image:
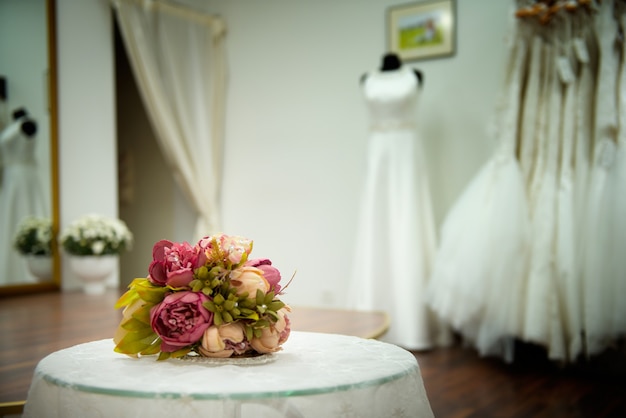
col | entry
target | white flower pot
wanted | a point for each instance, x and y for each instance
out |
(40, 266)
(93, 271)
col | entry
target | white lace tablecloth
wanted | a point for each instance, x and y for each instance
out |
(315, 375)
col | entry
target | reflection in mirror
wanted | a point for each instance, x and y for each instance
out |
(28, 144)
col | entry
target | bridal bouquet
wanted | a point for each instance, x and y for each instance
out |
(207, 300)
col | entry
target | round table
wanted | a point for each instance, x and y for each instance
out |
(315, 375)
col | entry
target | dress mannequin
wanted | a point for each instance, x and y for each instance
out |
(27, 125)
(396, 233)
(21, 192)
(392, 62)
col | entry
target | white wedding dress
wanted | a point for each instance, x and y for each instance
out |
(535, 252)
(604, 266)
(477, 280)
(396, 235)
(21, 195)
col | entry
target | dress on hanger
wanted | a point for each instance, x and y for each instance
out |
(396, 234)
(605, 226)
(477, 280)
(21, 195)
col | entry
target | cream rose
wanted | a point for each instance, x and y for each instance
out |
(249, 279)
(275, 335)
(224, 340)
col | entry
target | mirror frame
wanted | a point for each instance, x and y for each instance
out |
(55, 284)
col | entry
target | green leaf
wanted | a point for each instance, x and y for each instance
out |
(127, 298)
(154, 348)
(273, 315)
(247, 303)
(262, 323)
(150, 293)
(143, 314)
(249, 332)
(132, 343)
(275, 305)
(210, 306)
(227, 317)
(219, 299)
(217, 319)
(260, 297)
(249, 314)
(163, 356)
(133, 324)
(180, 353)
(268, 298)
(196, 285)
(202, 273)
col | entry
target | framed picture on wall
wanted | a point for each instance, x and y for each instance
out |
(422, 30)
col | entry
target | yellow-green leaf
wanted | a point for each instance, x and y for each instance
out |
(133, 324)
(143, 314)
(181, 352)
(127, 298)
(276, 305)
(154, 348)
(150, 293)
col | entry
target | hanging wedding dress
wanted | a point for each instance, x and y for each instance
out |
(535, 252)
(21, 195)
(476, 283)
(605, 225)
(396, 234)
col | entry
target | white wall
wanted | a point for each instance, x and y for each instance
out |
(87, 152)
(296, 124)
(296, 136)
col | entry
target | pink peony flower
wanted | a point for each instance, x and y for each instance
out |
(271, 273)
(224, 341)
(275, 335)
(233, 248)
(248, 279)
(180, 320)
(173, 263)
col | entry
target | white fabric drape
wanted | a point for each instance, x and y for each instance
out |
(177, 56)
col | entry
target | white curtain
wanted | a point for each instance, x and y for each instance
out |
(177, 56)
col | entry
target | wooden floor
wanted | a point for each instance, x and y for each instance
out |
(459, 383)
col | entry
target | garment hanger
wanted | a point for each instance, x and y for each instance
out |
(545, 10)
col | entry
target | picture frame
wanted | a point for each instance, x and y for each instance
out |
(422, 30)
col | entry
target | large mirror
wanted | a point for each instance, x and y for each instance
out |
(28, 140)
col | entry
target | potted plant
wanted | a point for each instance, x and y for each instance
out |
(34, 241)
(93, 244)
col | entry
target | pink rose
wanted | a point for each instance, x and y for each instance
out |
(273, 336)
(271, 273)
(248, 279)
(180, 320)
(231, 247)
(173, 263)
(224, 341)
